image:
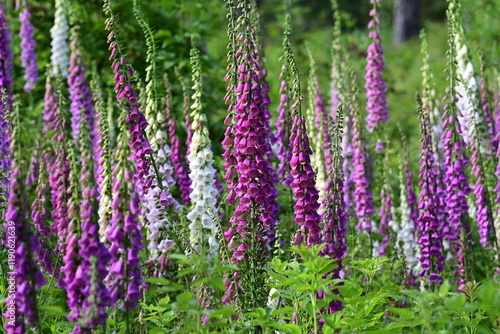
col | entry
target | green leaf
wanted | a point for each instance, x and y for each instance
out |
(154, 280)
(402, 312)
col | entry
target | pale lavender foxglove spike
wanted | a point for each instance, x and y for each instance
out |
(28, 54)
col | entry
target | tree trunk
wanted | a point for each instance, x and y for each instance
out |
(406, 20)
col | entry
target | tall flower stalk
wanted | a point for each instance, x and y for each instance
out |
(203, 229)
(79, 91)
(158, 199)
(59, 34)
(362, 195)
(335, 219)
(467, 102)
(28, 53)
(24, 277)
(250, 174)
(5, 103)
(102, 157)
(283, 125)
(375, 84)
(124, 279)
(303, 185)
(429, 99)
(456, 230)
(126, 95)
(430, 205)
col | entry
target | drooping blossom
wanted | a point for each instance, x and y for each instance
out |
(375, 85)
(335, 219)
(5, 101)
(456, 230)
(430, 101)
(5, 162)
(126, 95)
(24, 277)
(430, 220)
(59, 43)
(406, 243)
(102, 156)
(203, 229)
(347, 164)
(6, 64)
(492, 143)
(39, 214)
(362, 196)
(180, 172)
(386, 217)
(250, 175)
(28, 54)
(124, 280)
(317, 124)
(303, 185)
(57, 166)
(157, 198)
(79, 91)
(335, 76)
(466, 88)
(283, 125)
(86, 258)
(484, 215)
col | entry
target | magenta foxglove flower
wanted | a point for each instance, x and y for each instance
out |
(28, 54)
(304, 186)
(335, 223)
(455, 227)
(24, 277)
(176, 157)
(125, 94)
(250, 175)
(86, 258)
(375, 84)
(430, 221)
(283, 125)
(363, 197)
(124, 279)
(386, 217)
(5, 105)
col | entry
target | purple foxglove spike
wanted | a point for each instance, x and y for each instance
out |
(362, 195)
(430, 221)
(28, 54)
(250, 142)
(176, 157)
(304, 187)
(6, 65)
(79, 92)
(335, 223)
(375, 85)
(386, 217)
(125, 94)
(24, 275)
(283, 125)
(90, 295)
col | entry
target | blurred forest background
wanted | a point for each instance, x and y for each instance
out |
(176, 20)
